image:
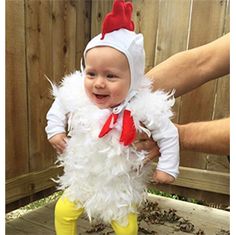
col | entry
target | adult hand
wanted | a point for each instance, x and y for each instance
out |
(145, 143)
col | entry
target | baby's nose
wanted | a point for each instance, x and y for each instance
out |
(100, 82)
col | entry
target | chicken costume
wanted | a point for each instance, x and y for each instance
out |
(103, 173)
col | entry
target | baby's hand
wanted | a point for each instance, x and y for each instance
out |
(59, 142)
(163, 177)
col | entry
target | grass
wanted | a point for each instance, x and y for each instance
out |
(175, 196)
(32, 206)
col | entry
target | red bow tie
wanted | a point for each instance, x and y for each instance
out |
(128, 132)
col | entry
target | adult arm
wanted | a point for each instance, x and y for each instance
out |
(183, 72)
(189, 69)
(208, 137)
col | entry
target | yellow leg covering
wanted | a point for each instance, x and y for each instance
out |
(130, 229)
(66, 216)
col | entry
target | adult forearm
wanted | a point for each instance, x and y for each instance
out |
(177, 72)
(209, 137)
(187, 70)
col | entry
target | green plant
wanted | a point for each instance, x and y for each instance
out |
(174, 196)
(32, 206)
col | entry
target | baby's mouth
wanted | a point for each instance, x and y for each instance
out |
(99, 96)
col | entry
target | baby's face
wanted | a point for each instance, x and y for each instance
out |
(107, 78)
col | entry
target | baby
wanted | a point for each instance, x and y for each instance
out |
(104, 106)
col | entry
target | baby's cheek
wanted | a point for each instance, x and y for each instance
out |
(88, 90)
(121, 94)
(86, 85)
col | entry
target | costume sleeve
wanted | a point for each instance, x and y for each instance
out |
(56, 119)
(167, 138)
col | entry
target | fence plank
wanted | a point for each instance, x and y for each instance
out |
(17, 154)
(99, 10)
(145, 17)
(31, 183)
(70, 36)
(227, 17)
(64, 38)
(210, 181)
(222, 100)
(38, 47)
(172, 34)
(83, 27)
(173, 28)
(199, 104)
(26, 200)
(58, 27)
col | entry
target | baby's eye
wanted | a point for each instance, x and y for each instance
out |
(110, 76)
(90, 74)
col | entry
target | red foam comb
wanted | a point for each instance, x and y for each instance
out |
(118, 18)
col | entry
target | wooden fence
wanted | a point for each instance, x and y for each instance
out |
(48, 37)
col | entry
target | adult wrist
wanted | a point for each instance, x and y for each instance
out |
(183, 138)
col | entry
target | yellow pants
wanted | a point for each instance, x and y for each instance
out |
(66, 216)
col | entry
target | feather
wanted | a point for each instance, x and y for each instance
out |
(54, 88)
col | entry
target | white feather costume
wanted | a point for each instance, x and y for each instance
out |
(100, 174)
